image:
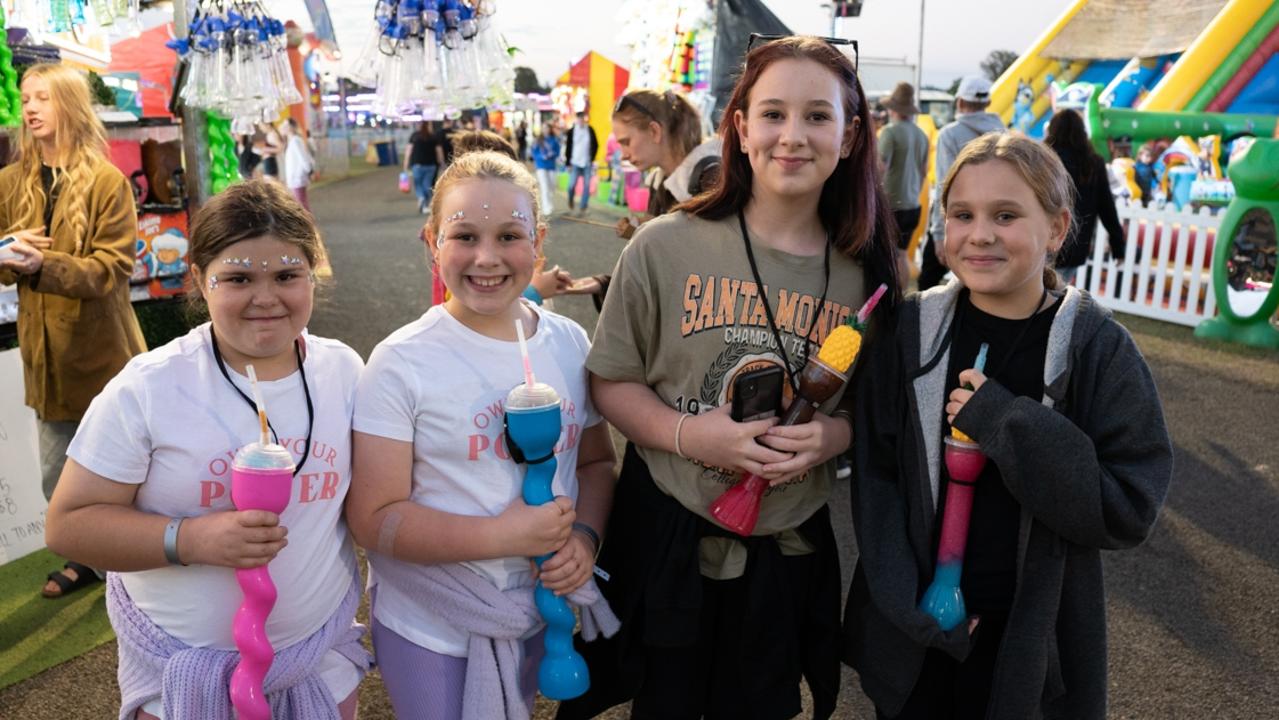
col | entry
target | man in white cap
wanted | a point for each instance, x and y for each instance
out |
(903, 149)
(971, 122)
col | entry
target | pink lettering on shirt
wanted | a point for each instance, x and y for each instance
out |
(210, 490)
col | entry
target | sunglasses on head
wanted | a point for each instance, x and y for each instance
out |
(832, 41)
(627, 101)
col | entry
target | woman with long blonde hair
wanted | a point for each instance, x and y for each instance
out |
(72, 215)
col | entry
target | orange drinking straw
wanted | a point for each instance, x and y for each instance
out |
(258, 404)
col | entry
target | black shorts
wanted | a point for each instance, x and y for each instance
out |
(907, 221)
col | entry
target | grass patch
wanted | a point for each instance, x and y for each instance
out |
(36, 633)
(1177, 345)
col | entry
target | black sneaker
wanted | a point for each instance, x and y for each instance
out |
(843, 469)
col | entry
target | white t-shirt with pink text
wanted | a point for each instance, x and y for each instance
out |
(442, 386)
(171, 423)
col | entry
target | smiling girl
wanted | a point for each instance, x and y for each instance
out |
(436, 499)
(753, 275)
(1079, 461)
(146, 489)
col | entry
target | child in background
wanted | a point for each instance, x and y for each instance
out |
(1144, 169)
(437, 499)
(1079, 461)
(546, 153)
(146, 492)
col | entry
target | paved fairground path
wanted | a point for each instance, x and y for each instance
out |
(1193, 613)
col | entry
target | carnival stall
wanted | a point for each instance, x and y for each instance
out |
(145, 148)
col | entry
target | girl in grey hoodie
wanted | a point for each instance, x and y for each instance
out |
(1079, 460)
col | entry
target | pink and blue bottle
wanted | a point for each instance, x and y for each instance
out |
(944, 600)
(261, 479)
(533, 424)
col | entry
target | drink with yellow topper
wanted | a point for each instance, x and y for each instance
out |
(738, 508)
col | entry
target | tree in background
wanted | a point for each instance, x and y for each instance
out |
(526, 81)
(997, 62)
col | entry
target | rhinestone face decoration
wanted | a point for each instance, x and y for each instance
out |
(519, 215)
(290, 260)
(213, 283)
(459, 215)
(246, 263)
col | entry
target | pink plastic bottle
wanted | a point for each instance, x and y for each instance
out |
(261, 479)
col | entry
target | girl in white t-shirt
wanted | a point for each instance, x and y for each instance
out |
(436, 497)
(146, 489)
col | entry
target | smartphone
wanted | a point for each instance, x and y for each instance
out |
(7, 253)
(757, 394)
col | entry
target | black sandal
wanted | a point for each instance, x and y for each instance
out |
(85, 576)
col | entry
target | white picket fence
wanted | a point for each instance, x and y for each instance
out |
(1165, 278)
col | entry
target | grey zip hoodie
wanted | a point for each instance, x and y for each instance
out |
(1090, 467)
(950, 140)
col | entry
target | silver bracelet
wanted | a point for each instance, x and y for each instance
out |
(171, 541)
(590, 533)
(679, 426)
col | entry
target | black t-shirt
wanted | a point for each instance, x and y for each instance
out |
(50, 192)
(990, 558)
(423, 152)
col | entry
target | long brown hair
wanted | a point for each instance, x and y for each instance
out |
(853, 206)
(82, 146)
(1037, 165)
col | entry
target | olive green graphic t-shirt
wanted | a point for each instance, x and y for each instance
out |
(684, 316)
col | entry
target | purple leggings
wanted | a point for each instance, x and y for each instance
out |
(425, 685)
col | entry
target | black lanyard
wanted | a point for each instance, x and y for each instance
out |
(768, 309)
(306, 389)
(1025, 326)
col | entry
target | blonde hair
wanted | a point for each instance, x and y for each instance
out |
(82, 145)
(1037, 165)
(483, 165)
(680, 121)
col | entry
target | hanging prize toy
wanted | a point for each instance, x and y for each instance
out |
(738, 508)
(943, 599)
(532, 430)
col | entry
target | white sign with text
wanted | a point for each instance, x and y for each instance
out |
(22, 503)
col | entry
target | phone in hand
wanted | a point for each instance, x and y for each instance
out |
(757, 394)
(6, 252)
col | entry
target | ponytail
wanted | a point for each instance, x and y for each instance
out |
(1052, 280)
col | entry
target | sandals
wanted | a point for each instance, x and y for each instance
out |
(85, 576)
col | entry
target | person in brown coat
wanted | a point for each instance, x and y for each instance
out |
(73, 217)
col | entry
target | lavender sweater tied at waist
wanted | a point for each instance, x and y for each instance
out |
(496, 621)
(193, 682)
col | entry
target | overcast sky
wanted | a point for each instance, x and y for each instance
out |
(553, 33)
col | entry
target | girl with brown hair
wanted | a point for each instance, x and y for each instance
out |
(146, 492)
(751, 275)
